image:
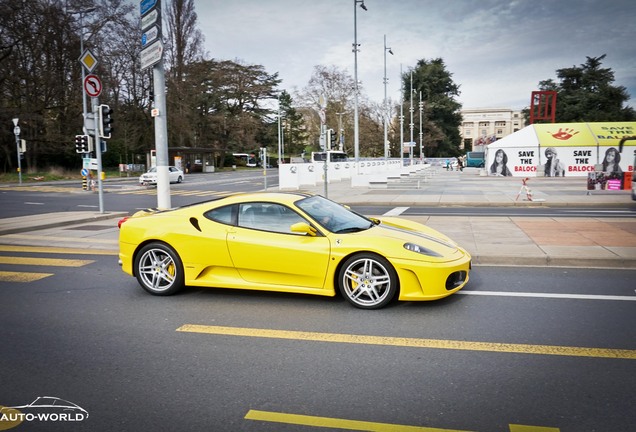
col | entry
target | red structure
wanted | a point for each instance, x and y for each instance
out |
(543, 105)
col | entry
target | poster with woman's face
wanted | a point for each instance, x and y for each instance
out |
(559, 161)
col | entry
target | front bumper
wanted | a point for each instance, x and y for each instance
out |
(422, 281)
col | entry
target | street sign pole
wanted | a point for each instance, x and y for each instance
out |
(152, 56)
(16, 131)
(98, 152)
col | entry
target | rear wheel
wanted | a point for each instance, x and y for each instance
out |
(159, 269)
(368, 281)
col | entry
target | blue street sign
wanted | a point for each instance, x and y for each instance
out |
(146, 5)
(84, 172)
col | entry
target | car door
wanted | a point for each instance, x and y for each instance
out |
(265, 251)
(173, 174)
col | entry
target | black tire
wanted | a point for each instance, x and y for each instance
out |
(179, 179)
(368, 281)
(158, 269)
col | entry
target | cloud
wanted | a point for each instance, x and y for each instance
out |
(497, 50)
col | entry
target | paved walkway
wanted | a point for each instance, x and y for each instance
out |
(539, 241)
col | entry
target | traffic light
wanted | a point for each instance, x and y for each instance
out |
(331, 138)
(105, 121)
(83, 144)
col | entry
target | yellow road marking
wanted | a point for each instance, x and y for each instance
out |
(6, 276)
(521, 428)
(336, 423)
(45, 261)
(413, 342)
(56, 250)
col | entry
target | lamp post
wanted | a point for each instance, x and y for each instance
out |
(356, 134)
(421, 130)
(386, 108)
(411, 109)
(401, 117)
(280, 148)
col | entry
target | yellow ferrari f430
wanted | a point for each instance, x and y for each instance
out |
(290, 242)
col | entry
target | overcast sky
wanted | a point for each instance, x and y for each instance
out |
(496, 50)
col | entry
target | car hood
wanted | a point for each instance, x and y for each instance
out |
(406, 229)
(391, 234)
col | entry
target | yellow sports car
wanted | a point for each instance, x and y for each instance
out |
(290, 242)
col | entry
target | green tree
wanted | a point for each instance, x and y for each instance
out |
(587, 94)
(230, 110)
(442, 116)
(293, 130)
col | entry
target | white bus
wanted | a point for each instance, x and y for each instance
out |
(334, 156)
(246, 159)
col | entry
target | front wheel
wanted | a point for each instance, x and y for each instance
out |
(158, 269)
(368, 281)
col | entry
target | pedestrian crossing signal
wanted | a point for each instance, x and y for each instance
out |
(83, 144)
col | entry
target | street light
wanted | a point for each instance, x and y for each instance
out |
(411, 109)
(356, 137)
(386, 108)
(401, 117)
(421, 106)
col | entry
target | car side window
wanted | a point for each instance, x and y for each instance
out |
(268, 217)
(224, 215)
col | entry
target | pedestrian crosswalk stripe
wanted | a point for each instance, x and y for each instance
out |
(57, 250)
(7, 276)
(173, 192)
(44, 261)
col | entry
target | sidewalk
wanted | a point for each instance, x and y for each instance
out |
(491, 240)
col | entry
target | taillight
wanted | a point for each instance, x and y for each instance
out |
(121, 221)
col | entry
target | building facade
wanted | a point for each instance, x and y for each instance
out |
(483, 126)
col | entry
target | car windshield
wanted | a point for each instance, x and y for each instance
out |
(333, 216)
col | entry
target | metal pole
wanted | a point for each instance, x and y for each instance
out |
(401, 118)
(98, 152)
(356, 128)
(280, 155)
(340, 132)
(356, 137)
(161, 138)
(421, 131)
(412, 124)
(16, 131)
(386, 133)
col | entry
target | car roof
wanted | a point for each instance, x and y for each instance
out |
(239, 197)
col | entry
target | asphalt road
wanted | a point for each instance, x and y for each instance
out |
(126, 195)
(480, 361)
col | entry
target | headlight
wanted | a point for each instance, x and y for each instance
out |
(420, 249)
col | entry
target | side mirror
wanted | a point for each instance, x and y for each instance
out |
(303, 228)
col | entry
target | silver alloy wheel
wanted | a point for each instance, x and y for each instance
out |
(159, 270)
(368, 281)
